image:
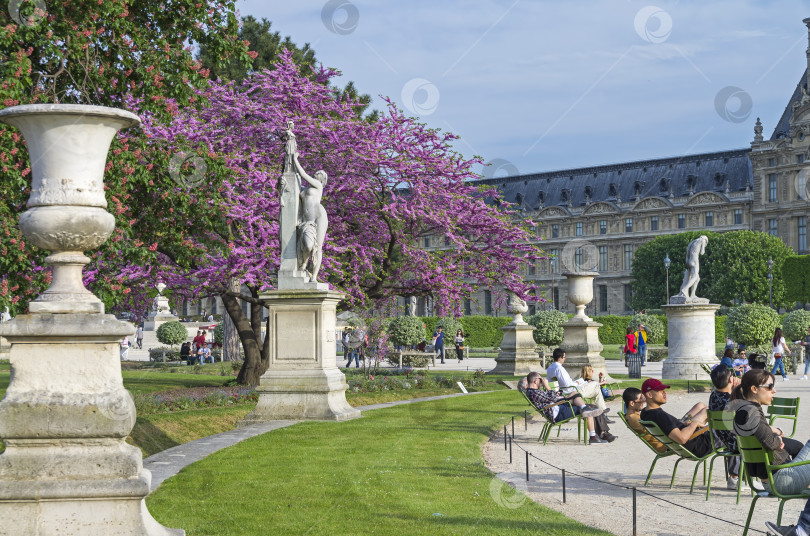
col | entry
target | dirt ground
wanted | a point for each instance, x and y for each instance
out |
(625, 462)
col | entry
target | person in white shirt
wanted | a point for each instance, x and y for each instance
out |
(588, 389)
(124, 348)
(780, 348)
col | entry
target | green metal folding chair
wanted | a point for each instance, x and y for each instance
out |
(784, 408)
(720, 420)
(682, 452)
(550, 424)
(752, 451)
(706, 368)
(641, 437)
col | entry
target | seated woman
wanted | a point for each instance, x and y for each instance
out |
(587, 377)
(755, 390)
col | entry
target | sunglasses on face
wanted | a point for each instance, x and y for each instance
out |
(768, 386)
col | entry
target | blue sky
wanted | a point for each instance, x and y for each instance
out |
(540, 85)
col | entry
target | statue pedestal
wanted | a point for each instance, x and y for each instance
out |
(67, 468)
(518, 355)
(582, 346)
(690, 330)
(155, 320)
(302, 381)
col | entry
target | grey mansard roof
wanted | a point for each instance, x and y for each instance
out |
(712, 172)
(782, 129)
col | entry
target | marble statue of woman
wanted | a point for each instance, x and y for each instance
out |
(312, 220)
(691, 276)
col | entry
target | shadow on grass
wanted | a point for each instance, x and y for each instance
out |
(150, 438)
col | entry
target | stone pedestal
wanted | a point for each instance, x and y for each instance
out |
(518, 355)
(582, 346)
(153, 321)
(302, 381)
(690, 330)
(67, 468)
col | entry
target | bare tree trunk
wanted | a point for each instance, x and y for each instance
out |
(230, 339)
(249, 330)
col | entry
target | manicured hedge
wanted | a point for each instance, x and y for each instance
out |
(484, 331)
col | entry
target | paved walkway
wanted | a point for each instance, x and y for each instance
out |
(169, 462)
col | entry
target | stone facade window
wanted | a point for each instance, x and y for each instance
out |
(579, 228)
(800, 159)
(709, 219)
(802, 232)
(681, 221)
(603, 299)
(602, 226)
(553, 261)
(628, 295)
(628, 225)
(737, 216)
(654, 223)
(628, 256)
(603, 258)
(772, 188)
(771, 162)
(532, 269)
(578, 259)
(487, 302)
(467, 307)
(555, 231)
(773, 227)
(427, 241)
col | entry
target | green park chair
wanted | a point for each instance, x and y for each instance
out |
(682, 452)
(706, 368)
(720, 420)
(784, 408)
(549, 424)
(658, 455)
(752, 451)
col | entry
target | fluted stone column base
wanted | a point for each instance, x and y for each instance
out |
(518, 355)
(690, 330)
(302, 381)
(582, 347)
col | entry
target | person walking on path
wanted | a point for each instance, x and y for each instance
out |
(780, 348)
(139, 337)
(641, 343)
(438, 343)
(125, 348)
(629, 345)
(806, 343)
(459, 342)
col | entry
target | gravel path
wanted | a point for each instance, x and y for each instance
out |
(625, 462)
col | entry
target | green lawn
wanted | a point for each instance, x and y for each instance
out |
(409, 470)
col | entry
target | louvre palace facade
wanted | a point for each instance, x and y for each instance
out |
(595, 218)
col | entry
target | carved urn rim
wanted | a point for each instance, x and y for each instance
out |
(125, 116)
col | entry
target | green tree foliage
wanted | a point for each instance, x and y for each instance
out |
(449, 325)
(265, 46)
(752, 324)
(734, 267)
(796, 273)
(655, 328)
(795, 324)
(548, 327)
(219, 333)
(172, 333)
(406, 331)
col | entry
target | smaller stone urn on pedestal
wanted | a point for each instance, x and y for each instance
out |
(161, 313)
(581, 334)
(518, 353)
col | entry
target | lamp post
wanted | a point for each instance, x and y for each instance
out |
(770, 281)
(667, 264)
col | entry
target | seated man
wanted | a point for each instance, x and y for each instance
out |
(740, 364)
(724, 382)
(679, 431)
(634, 402)
(543, 400)
(568, 386)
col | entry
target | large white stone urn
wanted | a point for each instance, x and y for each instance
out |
(580, 291)
(581, 333)
(64, 419)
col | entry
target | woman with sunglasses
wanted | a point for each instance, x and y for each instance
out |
(756, 389)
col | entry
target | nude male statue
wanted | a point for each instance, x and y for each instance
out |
(312, 219)
(691, 276)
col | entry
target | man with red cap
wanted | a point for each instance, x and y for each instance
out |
(681, 431)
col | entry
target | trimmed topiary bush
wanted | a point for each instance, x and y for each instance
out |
(752, 324)
(450, 325)
(795, 324)
(655, 328)
(172, 333)
(406, 331)
(548, 327)
(219, 333)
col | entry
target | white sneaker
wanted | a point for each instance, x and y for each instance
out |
(732, 483)
(803, 377)
(787, 379)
